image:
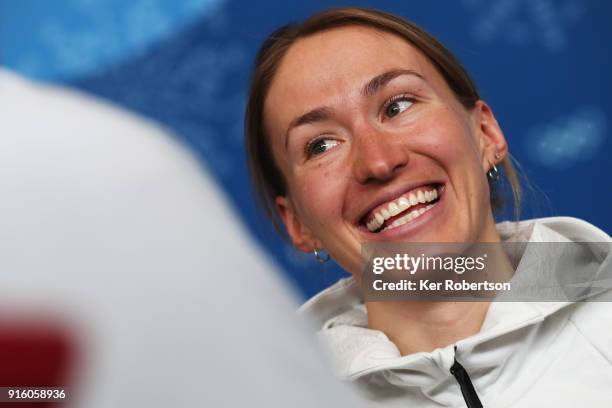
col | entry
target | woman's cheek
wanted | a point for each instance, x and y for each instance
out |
(321, 186)
(320, 197)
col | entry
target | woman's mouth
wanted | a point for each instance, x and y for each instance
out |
(402, 209)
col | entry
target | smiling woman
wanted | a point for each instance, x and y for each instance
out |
(359, 83)
(362, 128)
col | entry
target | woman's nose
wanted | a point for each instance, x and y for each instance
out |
(377, 157)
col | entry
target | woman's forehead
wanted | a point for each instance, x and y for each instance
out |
(335, 63)
(331, 57)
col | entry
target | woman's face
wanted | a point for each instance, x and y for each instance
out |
(374, 146)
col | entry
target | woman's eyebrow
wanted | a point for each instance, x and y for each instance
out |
(325, 113)
(381, 80)
(315, 115)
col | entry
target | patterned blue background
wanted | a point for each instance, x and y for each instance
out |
(543, 65)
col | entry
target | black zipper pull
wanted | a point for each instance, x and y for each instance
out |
(467, 388)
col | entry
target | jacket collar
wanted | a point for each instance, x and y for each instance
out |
(509, 331)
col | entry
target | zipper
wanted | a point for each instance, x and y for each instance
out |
(465, 383)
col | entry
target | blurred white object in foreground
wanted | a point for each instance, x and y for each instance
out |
(111, 227)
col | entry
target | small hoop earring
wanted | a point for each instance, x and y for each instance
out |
(321, 257)
(497, 156)
(493, 174)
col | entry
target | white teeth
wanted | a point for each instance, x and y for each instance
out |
(409, 217)
(379, 218)
(374, 225)
(386, 214)
(402, 221)
(394, 209)
(397, 207)
(403, 203)
(421, 197)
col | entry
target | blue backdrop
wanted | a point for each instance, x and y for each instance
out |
(544, 66)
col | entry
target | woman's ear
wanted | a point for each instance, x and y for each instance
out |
(491, 141)
(300, 234)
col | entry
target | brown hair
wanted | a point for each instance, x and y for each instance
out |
(266, 176)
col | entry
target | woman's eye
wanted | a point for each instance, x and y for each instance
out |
(395, 107)
(320, 146)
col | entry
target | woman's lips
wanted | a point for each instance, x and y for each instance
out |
(409, 225)
(403, 208)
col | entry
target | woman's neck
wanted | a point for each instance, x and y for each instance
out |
(425, 326)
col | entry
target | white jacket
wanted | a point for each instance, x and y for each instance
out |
(527, 354)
